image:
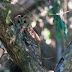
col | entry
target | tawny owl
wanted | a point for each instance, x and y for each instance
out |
(27, 37)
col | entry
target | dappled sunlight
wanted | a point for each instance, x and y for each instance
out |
(1, 52)
(43, 11)
(14, 1)
(51, 42)
(33, 24)
(70, 4)
(49, 20)
(58, 2)
(50, 71)
(46, 34)
(70, 20)
(48, 41)
(41, 24)
(70, 26)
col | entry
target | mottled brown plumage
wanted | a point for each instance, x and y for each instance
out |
(28, 38)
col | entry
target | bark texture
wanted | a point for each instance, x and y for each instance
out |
(65, 63)
(17, 53)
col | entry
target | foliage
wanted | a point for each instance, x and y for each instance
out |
(8, 17)
(46, 34)
(59, 26)
(58, 22)
(55, 8)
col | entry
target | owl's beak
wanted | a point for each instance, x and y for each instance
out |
(22, 26)
(22, 29)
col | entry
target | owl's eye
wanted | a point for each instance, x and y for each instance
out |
(18, 21)
(25, 21)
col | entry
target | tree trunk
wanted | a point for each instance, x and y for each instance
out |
(65, 63)
(15, 50)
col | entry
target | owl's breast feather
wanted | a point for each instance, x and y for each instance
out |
(32, 35)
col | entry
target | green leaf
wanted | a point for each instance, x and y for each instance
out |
(65, 35)
(46, 34)
(58, 35)
(63, 25)
(8, 17)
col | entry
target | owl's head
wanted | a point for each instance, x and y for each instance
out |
(26, 21)
(21, 22)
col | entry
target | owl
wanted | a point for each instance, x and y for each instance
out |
(27, 37)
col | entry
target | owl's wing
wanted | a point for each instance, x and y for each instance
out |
(33, 35)
(32, 40)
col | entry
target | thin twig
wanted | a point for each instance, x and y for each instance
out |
(63, 13)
